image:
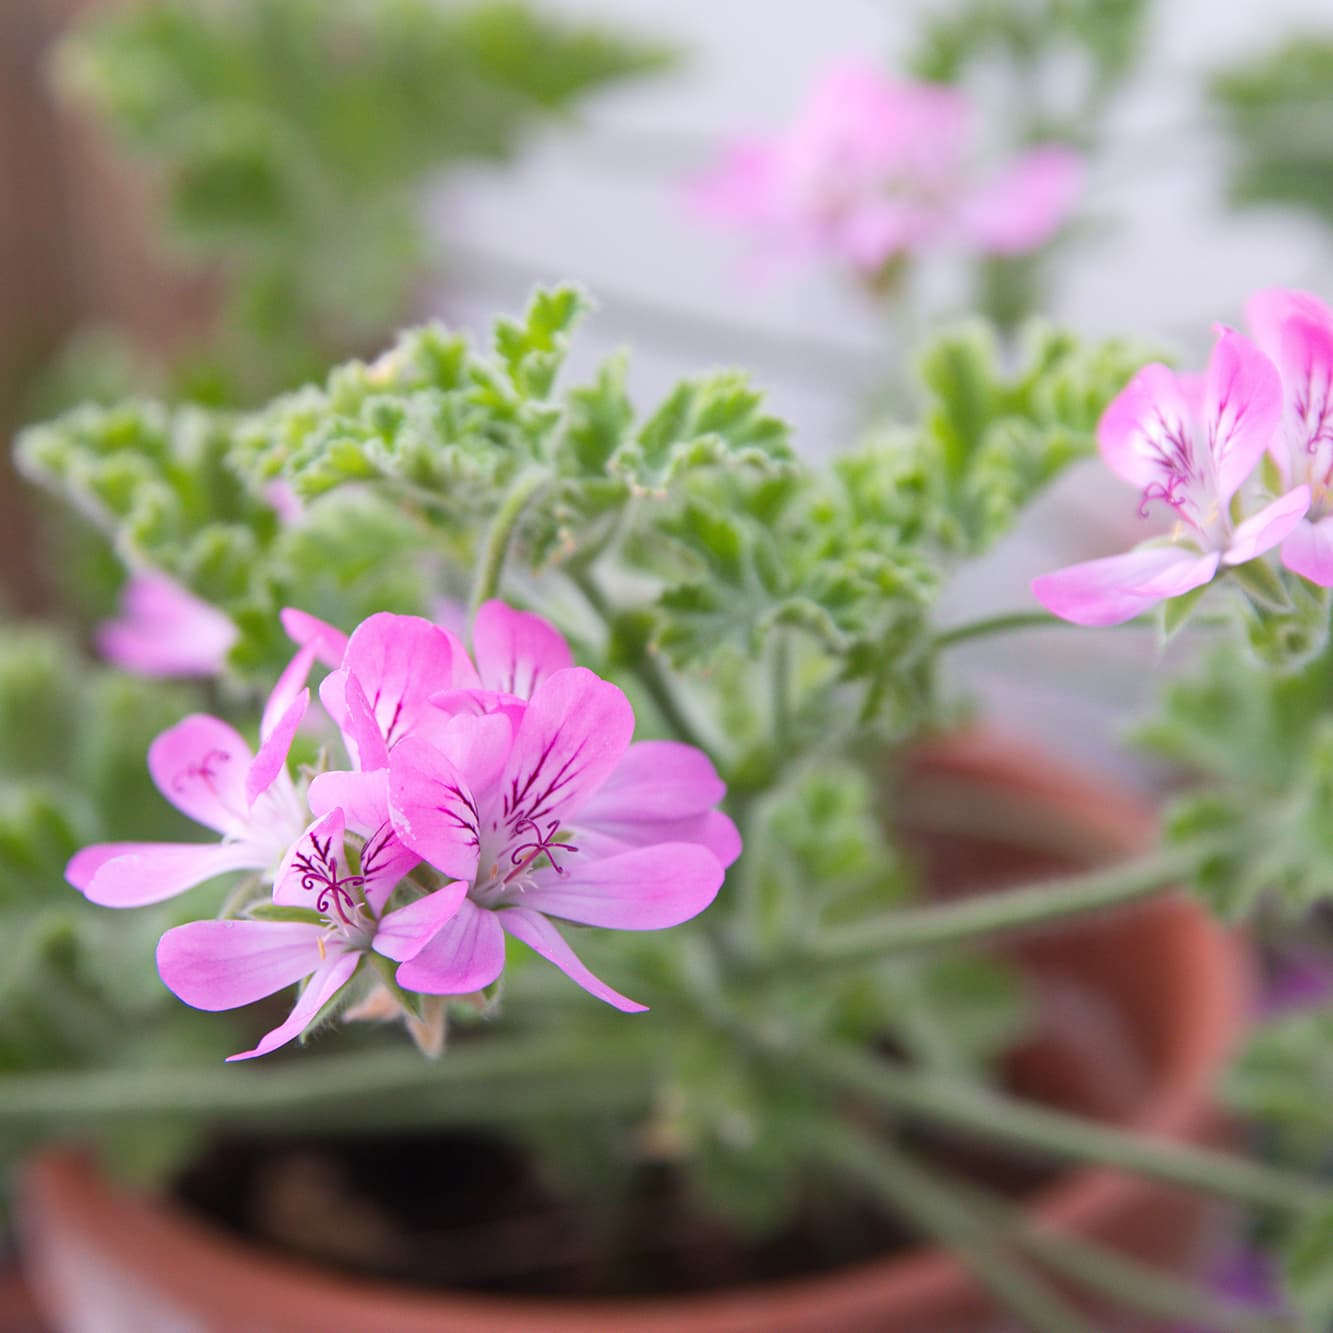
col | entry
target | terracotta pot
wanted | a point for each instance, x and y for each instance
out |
(106, 1261)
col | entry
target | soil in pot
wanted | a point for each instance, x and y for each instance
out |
(470, 1211)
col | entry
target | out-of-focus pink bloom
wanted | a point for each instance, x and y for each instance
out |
(1295, 329)
(163, 630)
(872, 169)
(284, 502)
(225, 964)
(1189, 443)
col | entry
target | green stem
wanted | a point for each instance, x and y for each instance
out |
(511, 1078)
(1123, 1281)
(647, 669)
(943, 1101)
(1004, 624)
(916, 1194)
(501, 534)
(985, 915)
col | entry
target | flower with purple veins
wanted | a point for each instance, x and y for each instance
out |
(1189, 443)
(206, 770)
(1295, 330)
(229, 963)
(551, 813)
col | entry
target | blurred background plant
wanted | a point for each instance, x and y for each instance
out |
(290, 142)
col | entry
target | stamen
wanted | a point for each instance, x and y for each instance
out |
(319, 874)
(543, 844)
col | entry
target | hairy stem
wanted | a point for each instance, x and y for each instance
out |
(985, 915)
(647, 669)
(1009, 623)
(510, 1078)
(504, 525)
(917, 1194)
(1123, 1281)
(941, 1100)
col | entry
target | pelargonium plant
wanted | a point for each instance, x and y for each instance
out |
(567, 736)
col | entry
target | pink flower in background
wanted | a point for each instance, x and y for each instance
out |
(163, 630)
(1295, 329)
(872, 169)
(1189, 443)
(225, 964)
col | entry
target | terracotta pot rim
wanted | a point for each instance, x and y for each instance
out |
(1175, 1107)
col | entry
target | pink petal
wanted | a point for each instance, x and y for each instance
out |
(1242, 409)
(363, 798)
(1306, 362)
(329, 642)
(542, 937)
(741, 188)
(400, 662)
(272, 757)
(327, 981)
(1264, 530)
(200, 765)
(656, 780)
(433, 811)
(475, 703)
(477, 746)
(876, 230)
(287, 689)
(225, 964)
(1269, 311)
(134, 874)
(1120, 587)
(345, 702)
(648, 888)
(467, 955)
(516, 650)
(1151, 416)
(385, 860)
(1308, 551)
(711, 830)
(574, 733)
(403, 933)
(163, 630)
(1025, 206)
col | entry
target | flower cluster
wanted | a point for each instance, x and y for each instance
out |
(1195, 444)
(872, 169)
(486, 796)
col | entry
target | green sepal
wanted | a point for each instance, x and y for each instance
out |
(278, 912)
(1176, 612)
(387, 970)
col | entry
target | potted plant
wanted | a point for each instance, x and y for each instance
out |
(679, 686)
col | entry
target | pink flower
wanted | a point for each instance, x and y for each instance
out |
(163, 630)
(516, 778)
(206, 770)
(1189, 443)
(872, 169)
(225, 964)
(1295, 329)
